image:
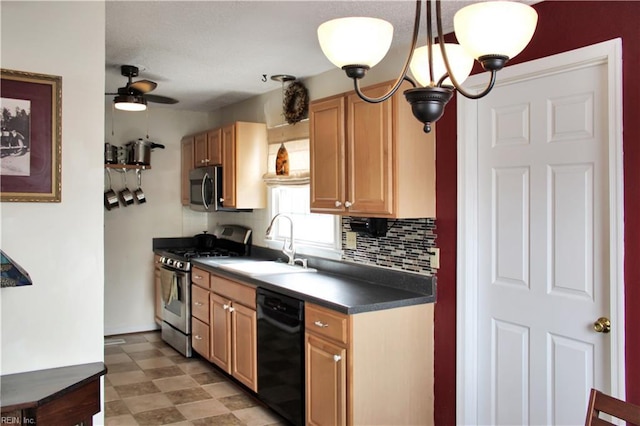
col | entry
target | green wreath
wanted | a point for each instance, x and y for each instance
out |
(295, 103)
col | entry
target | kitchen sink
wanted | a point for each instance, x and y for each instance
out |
(264, 268)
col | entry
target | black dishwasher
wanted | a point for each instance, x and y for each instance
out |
(281, 354)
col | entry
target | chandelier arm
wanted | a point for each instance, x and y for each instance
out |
(430, 42)
(445, 59)
(403, 76)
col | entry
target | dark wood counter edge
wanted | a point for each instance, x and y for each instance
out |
(30, 389)
(418, 299)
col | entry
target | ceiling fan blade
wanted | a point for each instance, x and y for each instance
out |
(143, 86)
(160, 99)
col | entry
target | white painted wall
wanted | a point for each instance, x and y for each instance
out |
(128, 231)
(59, 319)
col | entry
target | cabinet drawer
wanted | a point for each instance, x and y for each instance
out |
(200, 303)
(243, 294)
(326, 322)
(200, 337)
(200, 277)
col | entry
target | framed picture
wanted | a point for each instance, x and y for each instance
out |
(31, 139)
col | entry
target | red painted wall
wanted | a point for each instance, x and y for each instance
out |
(562, 26)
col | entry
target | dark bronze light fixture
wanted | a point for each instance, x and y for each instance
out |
(490, 32)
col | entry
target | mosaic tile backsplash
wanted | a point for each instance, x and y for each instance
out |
(405, 247)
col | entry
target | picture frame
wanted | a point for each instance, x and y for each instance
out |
(31, 137)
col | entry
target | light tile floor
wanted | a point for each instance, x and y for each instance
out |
(149, 383)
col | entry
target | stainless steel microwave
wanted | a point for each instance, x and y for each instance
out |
(205, 189)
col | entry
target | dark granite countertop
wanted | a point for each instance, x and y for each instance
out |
(342, 286)
(341, 293)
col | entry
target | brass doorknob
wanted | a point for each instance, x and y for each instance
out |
(602, 325)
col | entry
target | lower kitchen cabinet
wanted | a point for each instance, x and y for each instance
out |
(369, 368)
(224, 326)
(200, 337)
(326, 382)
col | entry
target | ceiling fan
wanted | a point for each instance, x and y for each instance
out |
(134, 96)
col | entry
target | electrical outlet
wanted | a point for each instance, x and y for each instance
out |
(434, 258)
(351, 240)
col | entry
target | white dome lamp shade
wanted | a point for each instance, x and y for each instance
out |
(130, 103)
(460, 62)
(355, 44)
(494, 32)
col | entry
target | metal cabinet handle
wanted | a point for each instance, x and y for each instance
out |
(321, 324)
(338, 203)
(197, 337)
(348, 204)
(225, 307)
(197, 277)
(198, 303)
(231, 309)
(337, 358)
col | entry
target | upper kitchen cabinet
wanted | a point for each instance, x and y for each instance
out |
(208, 148)
(371, 160)
(186, 150)
(244, 162)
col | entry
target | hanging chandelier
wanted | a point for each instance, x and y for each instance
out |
(490, 32)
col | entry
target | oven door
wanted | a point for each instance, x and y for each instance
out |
(176, 298)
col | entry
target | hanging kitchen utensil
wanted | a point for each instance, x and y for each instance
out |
(139, 151)
(138, 193)
(110, 197)
(125, 195)
(110, 153)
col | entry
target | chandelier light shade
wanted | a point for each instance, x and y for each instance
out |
(130, 103)
(495, 28)
(460, 62)
(361, 41)
(491, 32)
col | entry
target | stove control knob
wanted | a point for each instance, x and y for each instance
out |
(170, 262)
(179, 265)
(163, 259)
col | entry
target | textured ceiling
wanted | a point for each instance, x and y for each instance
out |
(208, 54)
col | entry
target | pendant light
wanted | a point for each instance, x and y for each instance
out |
(490, 32)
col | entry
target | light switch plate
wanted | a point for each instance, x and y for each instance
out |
(434, 258)
(351, 240)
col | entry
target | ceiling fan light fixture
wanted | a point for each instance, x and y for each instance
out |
(130, 103)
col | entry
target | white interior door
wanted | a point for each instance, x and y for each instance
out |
(543, 251)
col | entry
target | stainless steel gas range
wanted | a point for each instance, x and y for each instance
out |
(226, 241)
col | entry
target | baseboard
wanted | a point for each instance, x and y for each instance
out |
(132, 329)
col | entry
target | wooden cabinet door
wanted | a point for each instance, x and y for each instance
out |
(244, 341)
(220, 332)
(369, 154)
(326, 381)
(214, 147)
(200, 155)
(327, 155)
(229, 166)
(187, 163)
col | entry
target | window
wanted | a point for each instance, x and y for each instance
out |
(314, 234)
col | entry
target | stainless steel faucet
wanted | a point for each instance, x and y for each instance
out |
(289, 249)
